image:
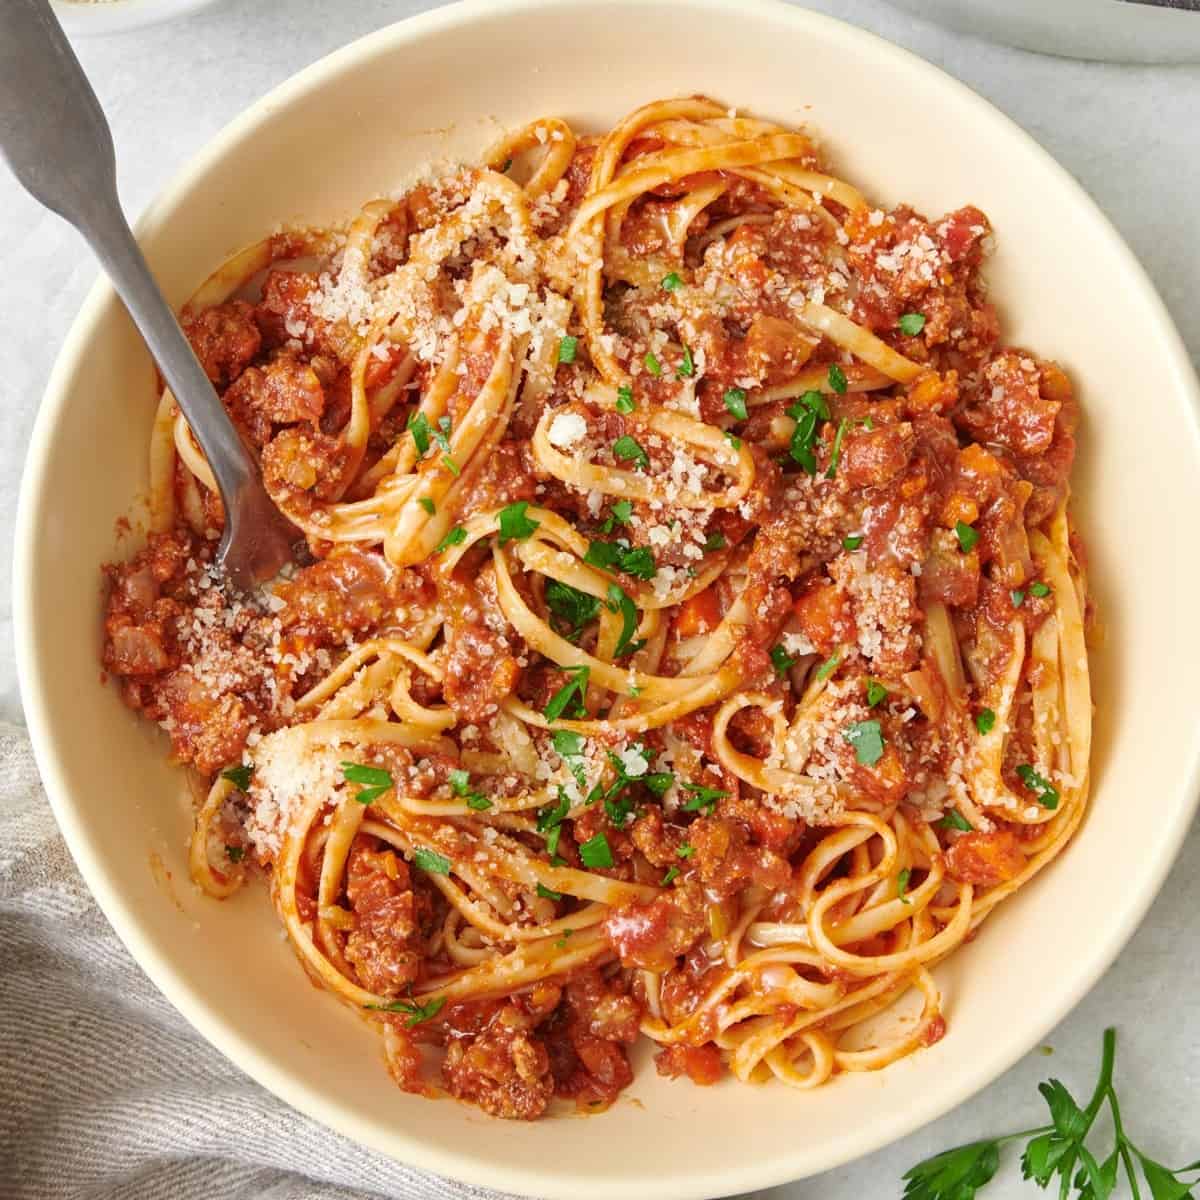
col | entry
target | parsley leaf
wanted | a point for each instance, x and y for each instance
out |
(985, 721)
(427, 504)
(596, 852)
(852, 542)
(902, 885)
(625, 402)
(781, 661)
(239, 776)
(1044, 791)
(1017, 596)
(714, 541)
(455, 537)
(618, 601)
(566, 349)
(613, 556)
(568, 743)
(548, 893)
(876, 693)
(837, 379)
(515, 526)
(628, 449)
(687, 366)
(803, 436)
(1039, 589)
(867, 739)
(418, 426)
(418, 1013)
(431, 861)
(703, 799)
(652, 364)
(816, 402)
(968, 536)
(830, 665)
(735, 401)
(571, 608)
(575, 690)
(911, 323)
(836, 456)
(671, 875)
(375, 780)
(235, 854)
(955, 820)
(953, 1174)
(671, 282)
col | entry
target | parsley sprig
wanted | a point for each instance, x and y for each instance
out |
(1057, 1151)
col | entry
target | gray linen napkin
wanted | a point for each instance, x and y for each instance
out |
(93, 1100)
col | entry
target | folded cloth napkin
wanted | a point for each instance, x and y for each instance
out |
(94, 1101)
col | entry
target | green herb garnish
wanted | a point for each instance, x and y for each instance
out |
(867, 739)
(375, 780)
(515, 526)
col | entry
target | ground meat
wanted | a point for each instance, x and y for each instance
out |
(1009, 409)
(503, 1068)
(480, 671)
(284, 391)
(653, 935)
(507, 476)
(701, 1064)
(384, 946)
(301, 466)
(726, 858)
(225, 339)
(985, 859)
(587, 1036)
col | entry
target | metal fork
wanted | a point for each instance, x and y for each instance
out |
(54, 137)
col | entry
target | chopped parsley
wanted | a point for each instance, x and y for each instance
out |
(571, 693)
(567, 743)
(625, 402)
(1043, 790)
(628, 449)
(417, 1013)
(967, 536)
(451, 465)
(735, 401)
(955, 820)
(552, 816)
(427, 504)
(619, 602)
(985, 721)
(515, 526)
(441, 434)
(735, 442)
(830, 665)
(911, 323)
(837, 379)
(235, 854)
(815, 402)
(375, 780)
(1017, 596)
(702, 799)
(239, 776)
(596, 852)
(902, 885)
(547, 893)
(801, 446)
(562, 941)
(622, 512)
(431, 861)
(652, 364)
(867, 739)
(567, 346)
(571, 608)
(685, 851)
(714, 541)
(671, 875)
(455, 537)
(876, 693)
(460, 785)
(671, 282)
(687, 366)
(418, 426)
(836, 456)
(615, 556)
(1039, 589)
(852, 542)
(781, 661)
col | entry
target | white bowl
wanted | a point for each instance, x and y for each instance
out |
(354, 125)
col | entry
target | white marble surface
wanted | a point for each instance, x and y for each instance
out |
(1128, 133)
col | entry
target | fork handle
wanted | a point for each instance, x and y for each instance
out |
(54, 136)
